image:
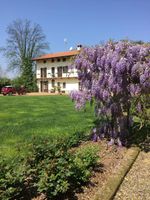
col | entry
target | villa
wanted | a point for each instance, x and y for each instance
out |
(53, 73)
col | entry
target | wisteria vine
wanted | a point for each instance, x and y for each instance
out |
(111, 76)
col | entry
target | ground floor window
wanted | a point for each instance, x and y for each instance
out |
(64, 85)
(53, 83)
(79, 86)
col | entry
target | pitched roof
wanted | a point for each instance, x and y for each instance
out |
(57, 55)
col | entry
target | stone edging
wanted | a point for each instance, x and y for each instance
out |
(110, 188)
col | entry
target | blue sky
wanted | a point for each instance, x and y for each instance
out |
(88, 22)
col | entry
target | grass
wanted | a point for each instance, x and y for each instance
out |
(23, 117)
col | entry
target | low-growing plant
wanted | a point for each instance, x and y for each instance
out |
(12, 178)
(84, 160)
(75, 139)
(50, 168)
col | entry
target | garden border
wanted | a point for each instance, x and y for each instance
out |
(108, 191)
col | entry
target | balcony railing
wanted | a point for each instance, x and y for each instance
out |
(56, 75)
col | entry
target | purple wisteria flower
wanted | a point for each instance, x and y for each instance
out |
(112, 75)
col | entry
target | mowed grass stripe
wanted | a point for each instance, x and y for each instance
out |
(22, 117)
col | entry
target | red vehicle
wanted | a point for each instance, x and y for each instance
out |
(8, 90)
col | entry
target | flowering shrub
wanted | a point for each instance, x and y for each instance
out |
(112, 76)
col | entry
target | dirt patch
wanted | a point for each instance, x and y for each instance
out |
(110, 158)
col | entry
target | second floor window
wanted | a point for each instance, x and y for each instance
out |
(43, 72)
(53, 71)
(65, 69)
(59, 70)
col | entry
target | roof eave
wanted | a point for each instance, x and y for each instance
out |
(55, 56)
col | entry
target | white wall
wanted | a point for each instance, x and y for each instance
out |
(39, 85)
(72, 85)
(71, 82)
(49, 65)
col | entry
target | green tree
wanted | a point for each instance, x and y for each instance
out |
(25, 41)
(4, 80)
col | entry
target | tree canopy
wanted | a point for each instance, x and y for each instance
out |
(25, 41)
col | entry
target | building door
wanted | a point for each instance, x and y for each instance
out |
(44, 86)
(60, 71)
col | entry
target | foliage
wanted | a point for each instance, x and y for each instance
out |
(140, 109)
(25, 41)
(4, 81)
(50, 169)
(112, 76)
(17, 82)
(12, 178)
(56, 88)
(85, 159)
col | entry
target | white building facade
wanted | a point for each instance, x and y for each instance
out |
(53, 73)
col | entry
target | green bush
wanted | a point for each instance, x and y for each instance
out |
(12, 177)
(50, 168)
(84, 161)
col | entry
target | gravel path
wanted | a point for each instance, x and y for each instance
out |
(136, 185)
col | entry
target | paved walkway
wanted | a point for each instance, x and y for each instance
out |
(136, 185)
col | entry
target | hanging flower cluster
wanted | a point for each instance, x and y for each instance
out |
(112, 75)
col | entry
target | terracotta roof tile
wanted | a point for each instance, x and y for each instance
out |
(57, 55)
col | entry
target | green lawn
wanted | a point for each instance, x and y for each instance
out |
(22, 117)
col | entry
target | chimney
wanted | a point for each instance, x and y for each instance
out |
(79, 46)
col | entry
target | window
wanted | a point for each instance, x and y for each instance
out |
(58, 60)
(53, 83)
(58, 84)
(43, 72)
(64, 85)
(65, 69)
(52, 60)
(59, 71)
(64, 59)
(44, 61)
(53, 71)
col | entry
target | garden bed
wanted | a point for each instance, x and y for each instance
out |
(109, 159)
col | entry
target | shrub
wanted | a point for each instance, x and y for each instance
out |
(50, 168)
(12, 177)
(84, 160)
